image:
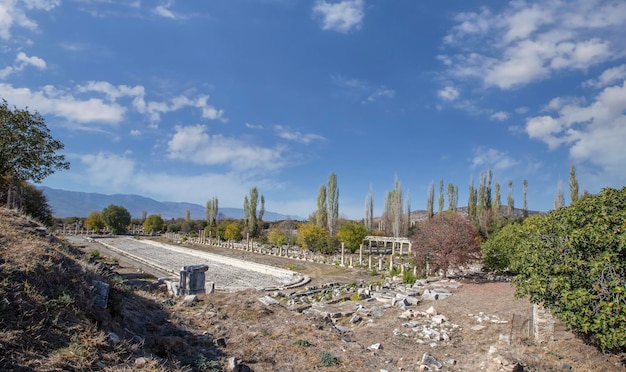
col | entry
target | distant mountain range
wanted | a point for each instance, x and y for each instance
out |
(80, 204)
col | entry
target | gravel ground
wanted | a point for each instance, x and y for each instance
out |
(227, 273)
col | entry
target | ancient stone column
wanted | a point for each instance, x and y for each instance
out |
(342, 253)
(370, 263)
(380, 264)
(361, 255)
(391, 262)
(351, 261)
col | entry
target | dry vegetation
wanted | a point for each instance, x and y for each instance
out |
(49, 321)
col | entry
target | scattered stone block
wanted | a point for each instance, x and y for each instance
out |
(429, 360)
(431, 311)
(268, 301)
(376, 346)
(102, 293)
(190, 300)
(478, 327)
(355, 319)
(114, 338)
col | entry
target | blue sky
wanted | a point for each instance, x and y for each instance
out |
(190, 100)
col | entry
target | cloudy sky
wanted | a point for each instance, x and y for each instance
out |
(190, 100)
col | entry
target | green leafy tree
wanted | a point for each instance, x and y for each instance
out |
(232, 232)
(573, 260)
(116, 218)
(445, 241)
(351, 233)
(27, 150)
(153, 223)
(313, 237)
(277, 236)
(94, 221)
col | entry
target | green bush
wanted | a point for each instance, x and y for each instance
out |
(303, 343)
(327, 359)
(573, 260)
(408, 277)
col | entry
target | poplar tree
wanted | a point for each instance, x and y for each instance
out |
(322, 210)
(525, 183)
(510, 201)
(573, 184)
(408, 212)
(369, 210)
(430, 201)
(212, 207)
(396, 208)
(440, 201)
(251, 217)
(559, 200)
(332, 204)
(471, 203)
(452, 197)
(497, 203)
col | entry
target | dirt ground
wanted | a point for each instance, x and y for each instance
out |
(276, 338)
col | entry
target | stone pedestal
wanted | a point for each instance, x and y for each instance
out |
(192, 279)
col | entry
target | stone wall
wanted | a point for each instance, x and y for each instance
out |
(548, 328)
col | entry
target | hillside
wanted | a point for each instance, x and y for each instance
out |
(49, 315)
(79, 204)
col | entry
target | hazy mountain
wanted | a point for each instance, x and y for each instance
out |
(80, 204)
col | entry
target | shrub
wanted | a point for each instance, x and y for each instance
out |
(573, 261)
(327, 359)
(408, 277)
(303, 343)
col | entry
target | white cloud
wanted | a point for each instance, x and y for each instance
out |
(155, 109)
(21, 62)
(342, 16)
(448, 93)
(529, 42)
(608, 77)
(499, 116)
(13, 13)
(194, 144)
(362, 90)
(110, 169)
(49, 100)
(164, 11)
(135, 132)
(253, 126)
(594, 132)
(492, 158)
(381, 92)
(296, 136)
